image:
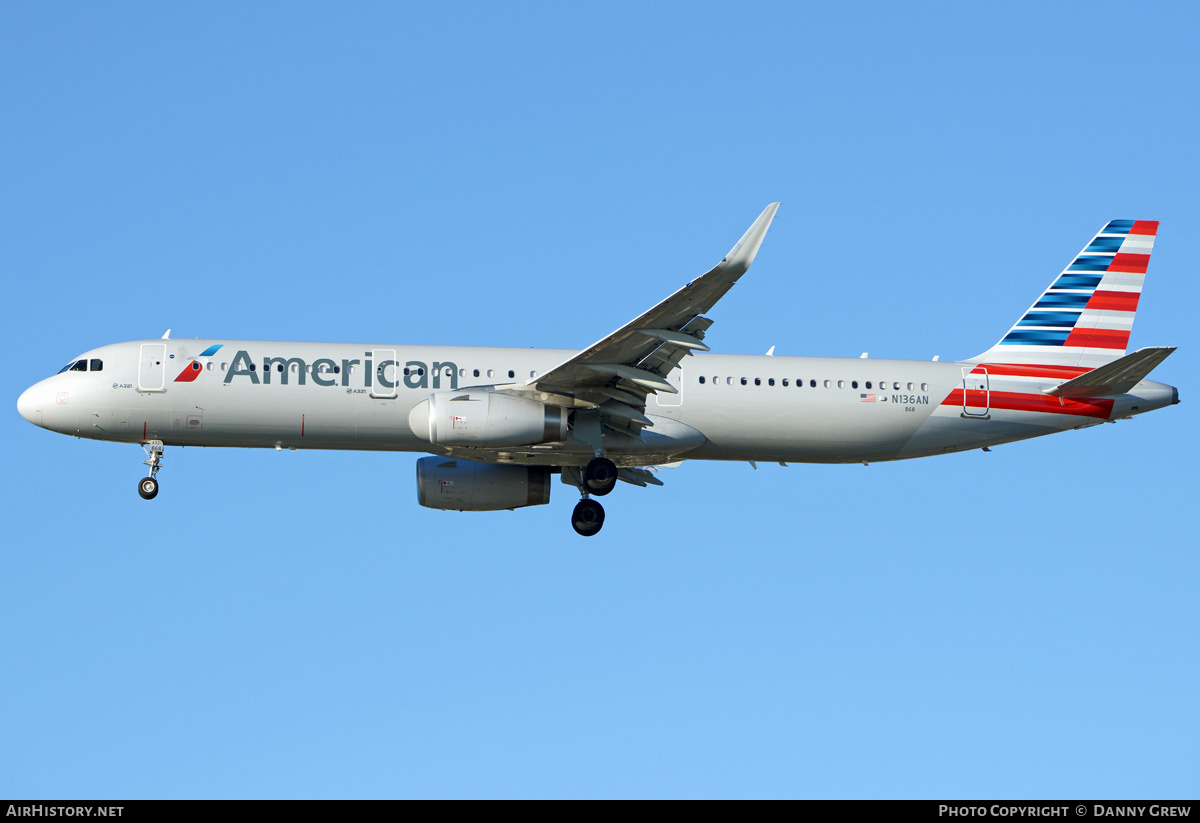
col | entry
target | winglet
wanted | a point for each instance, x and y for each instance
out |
(743, 253)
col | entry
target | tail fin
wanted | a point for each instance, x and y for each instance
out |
(1085, 317)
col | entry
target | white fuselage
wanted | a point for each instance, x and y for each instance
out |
(729, 407)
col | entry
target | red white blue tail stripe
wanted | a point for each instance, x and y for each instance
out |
(1086, 315)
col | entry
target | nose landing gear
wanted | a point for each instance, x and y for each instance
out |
(148, 486)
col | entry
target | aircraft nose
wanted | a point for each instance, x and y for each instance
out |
(29, 404)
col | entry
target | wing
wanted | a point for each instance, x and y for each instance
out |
(618, 372)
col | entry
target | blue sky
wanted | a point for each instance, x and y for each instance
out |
(1013, 624)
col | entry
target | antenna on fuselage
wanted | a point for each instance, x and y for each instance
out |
(167, 335)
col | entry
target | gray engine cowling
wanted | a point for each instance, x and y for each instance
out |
(476, 417)
(470, 486)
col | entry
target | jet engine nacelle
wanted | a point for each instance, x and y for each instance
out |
(483, 418)
(469, 486)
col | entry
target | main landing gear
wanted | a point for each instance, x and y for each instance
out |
(588, 517)
(148, 486)
(599, 478)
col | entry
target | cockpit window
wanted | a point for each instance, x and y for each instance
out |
(78, 365)
(82, 365)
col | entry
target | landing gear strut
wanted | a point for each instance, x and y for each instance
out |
(148, 486)
(588, 517)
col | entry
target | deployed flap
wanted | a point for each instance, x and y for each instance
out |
(638, 477)
(1116, 377)
(637, 357)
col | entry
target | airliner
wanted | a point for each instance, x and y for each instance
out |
(499, 423)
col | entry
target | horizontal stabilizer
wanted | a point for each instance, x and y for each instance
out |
(1116, 377)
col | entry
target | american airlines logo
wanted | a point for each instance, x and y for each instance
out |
(325, 371)
(192, 370)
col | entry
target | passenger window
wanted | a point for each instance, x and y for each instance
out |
(758, 381)
(868, 384)
(728, 381)
(253, 367)
(841, 384)
(210, 365)
(812, 384)
(462, 372)
(511, 374)
(476, 372)
(702, 380)
(826, 384)
(224, 366)
(896, 386)
(770, 381)
(924, 387)
(785, 381)
(338, 370)
(533, 374)
(96, 365)
(743, 381)
(910, 386)
(854, 384)
(491, 373)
